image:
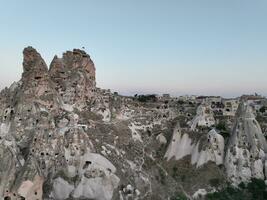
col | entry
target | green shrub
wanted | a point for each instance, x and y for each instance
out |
(255, 190)
(162, 176)
(262, 109)
(146, 98)
(215, 182)
(221, 126)
(179, 196)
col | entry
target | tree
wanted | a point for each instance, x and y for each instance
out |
(262, 109)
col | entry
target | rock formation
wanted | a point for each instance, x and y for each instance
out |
(74, 77)
(63, 138)
(209, 148)
(204, 117)
(41, 138)
(247, 148)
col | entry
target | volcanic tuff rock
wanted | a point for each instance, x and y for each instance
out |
(74, 76)
(246, 155)
(209, 148)
(61, 137)
(204, 117)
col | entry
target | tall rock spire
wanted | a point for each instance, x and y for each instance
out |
(32, 60)
(36, 85)
(247, 148)
(74, 76)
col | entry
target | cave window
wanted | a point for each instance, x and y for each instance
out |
(88, 162)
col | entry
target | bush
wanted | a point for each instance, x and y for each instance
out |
(242, 185)
(256, 189)
(181, 102)
(262, 109)
(146, 98)
(162, 176)
(179, 196)
(215, 182)
(221, 126)
(174, 174)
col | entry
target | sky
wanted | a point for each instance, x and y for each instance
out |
(202, 47)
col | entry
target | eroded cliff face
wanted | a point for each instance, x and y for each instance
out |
(202, 150)
(74, 77)
(42, 142)
(61, 137)
(247, 148)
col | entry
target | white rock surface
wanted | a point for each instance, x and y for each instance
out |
(98, 188)
(98, 179)
(182, 145)
(213, 151)
(247, 148)
(199, 194)
(204, 117)
(61, 189)
(161, 138)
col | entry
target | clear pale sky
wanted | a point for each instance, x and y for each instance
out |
(210, 47)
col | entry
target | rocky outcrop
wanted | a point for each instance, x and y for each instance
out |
(180, 145)
(212, 150)
(74, 77)
(42, 143)
(36, 85)
(204, 117)
(247, 148)
(63, 138)
(203, 150)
